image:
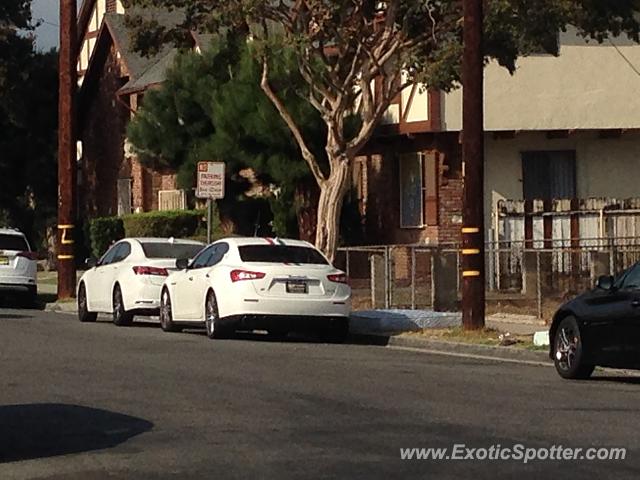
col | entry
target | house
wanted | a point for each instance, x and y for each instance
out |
(113, 79)
(565, 127)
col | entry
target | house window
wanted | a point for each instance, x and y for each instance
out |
(549, 174)
(411, 190)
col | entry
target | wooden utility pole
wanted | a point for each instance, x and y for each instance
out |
(67, 150)
(473, 272)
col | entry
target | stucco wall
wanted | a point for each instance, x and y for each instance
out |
(605, 167)
(586, 86)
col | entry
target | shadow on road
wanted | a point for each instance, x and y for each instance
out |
(50, 429)
(617, 379)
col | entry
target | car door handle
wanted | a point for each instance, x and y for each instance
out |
(635, 303)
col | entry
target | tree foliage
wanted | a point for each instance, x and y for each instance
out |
(358, 55)
(28, 123)
(211, 108)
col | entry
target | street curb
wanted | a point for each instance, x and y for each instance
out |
(441, 346)
(61, 307)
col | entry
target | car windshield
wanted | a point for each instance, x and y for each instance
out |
(170, 250)
(13, 242)
(281, 254)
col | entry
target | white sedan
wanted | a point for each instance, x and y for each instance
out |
(277, 285)
(127, 280)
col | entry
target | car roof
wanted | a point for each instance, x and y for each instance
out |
(241, 241)
(11, 231)
(183, 241)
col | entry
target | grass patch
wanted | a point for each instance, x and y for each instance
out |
(485, 336)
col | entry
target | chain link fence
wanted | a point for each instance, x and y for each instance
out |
(519, 277)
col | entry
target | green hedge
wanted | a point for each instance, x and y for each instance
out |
(178, 224)
(103, 232)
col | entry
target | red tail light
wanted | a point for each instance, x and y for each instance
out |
(28, 255)
(162, 272)
(338, 278)
(238, 275)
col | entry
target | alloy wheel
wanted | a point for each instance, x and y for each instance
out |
(566, 347)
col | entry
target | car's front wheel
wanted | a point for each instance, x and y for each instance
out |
(214, 326)
(166, 313)
(569, 352)
(84, 315)
(121, 317)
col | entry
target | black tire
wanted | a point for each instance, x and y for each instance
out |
(121, 317)
(569, 352)
(84, 315)
(30, 298)
(212, 322)
(278, 333)
(166, 313)
(338, 331)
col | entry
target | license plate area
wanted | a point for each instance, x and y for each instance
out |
(297, 286)
(4, 260)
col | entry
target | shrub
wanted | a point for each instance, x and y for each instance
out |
(178, 224)
(103, 232)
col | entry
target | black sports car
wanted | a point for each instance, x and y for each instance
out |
(600, 327)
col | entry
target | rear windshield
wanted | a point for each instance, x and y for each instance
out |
(281, 254)
(170, 250)
(13, 242)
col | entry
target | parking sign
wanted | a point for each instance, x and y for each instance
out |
(210, 180)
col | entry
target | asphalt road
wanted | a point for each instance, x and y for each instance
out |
(92, 401)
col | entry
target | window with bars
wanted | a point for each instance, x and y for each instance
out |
(549, 174)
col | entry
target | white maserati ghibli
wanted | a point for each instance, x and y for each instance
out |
(278, 285)
(127, 280)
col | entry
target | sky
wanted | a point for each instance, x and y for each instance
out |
(47, 33)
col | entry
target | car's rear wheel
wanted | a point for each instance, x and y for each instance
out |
(84, 315)
(338, 330)
(166, 313)
(568, 351)
(214, 326)
(121, 317)
(278, 333)
(30, 298)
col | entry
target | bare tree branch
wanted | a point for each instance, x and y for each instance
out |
(288, 119)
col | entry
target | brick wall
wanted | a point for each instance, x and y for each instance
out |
(381, 192)
(101, 128)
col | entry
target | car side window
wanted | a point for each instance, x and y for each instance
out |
(202, 258)
(218, 254)
(108, 257)
(632, 279)
(124, 250)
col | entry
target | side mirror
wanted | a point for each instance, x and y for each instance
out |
(182, 263)
(605, 282)
(91, 262)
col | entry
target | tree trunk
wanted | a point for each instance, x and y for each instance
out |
(306, 198)
(332, 193)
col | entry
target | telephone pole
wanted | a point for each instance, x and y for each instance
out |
(67, 150)
(473, 272)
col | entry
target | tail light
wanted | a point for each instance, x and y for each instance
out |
(162, 272)
(238, 275)
(338, 278)
(28, 255)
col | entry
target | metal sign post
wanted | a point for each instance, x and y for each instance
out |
(210, 185)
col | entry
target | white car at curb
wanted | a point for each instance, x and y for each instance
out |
(18, 266)
(278, 285)
(127, 280)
